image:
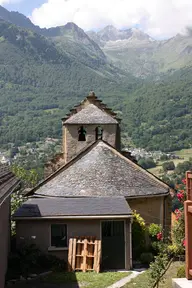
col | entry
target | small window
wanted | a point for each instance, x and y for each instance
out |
(98, 133)
(82, 134)
(59, 235)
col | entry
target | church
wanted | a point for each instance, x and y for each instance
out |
(91, 189)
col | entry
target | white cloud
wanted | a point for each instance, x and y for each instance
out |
(159, 18)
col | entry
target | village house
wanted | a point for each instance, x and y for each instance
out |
(8, 184)
(91, 189)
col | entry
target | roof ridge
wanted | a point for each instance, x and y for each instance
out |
(93, 99)
(137, 166)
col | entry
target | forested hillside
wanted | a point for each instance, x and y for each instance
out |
(159, 114)
(42, 75)
(39, 84)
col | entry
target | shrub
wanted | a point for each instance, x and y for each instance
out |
(168, 166)
(147, 163)
(154, 229)
(28, 259)
(146, 258)
(181, 272)
(138, 235)
(158, 267)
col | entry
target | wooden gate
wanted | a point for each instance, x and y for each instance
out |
(188, 225)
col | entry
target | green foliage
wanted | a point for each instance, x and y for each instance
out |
(183, 167)
(154, 229)
(28, 259)
(29, 178)
(178, 234)
(158, 113)
(181, 272)
(146, 258)
(138, 235)
(158, 267)
(168, 166)
(147, 163)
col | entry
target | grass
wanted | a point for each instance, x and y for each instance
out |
(143, 280)
(86, 280)
(185, 154)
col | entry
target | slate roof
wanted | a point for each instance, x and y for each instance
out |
(91, 115)
(100, 206)
(8, 182)
(101, 171)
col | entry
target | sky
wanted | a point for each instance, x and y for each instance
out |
(158, 18)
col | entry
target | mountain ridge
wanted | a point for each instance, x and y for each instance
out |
(43, 76)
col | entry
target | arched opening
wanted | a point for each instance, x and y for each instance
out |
(82, 134)
(98, 133)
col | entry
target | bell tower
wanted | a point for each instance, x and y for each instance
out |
(88, 122)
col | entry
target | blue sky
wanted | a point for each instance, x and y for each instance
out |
(25, 7)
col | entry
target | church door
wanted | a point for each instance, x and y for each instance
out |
(113, 245)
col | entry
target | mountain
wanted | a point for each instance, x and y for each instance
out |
(134, 51)
(39, 83)
(17, 19)
(44, 72)
(110, 33)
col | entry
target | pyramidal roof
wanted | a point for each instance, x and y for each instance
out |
(91, 111)
(101, 170)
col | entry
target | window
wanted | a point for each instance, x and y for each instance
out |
(82, 133)
(59, 235)
(98, 133)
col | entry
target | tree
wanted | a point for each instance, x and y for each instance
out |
(147, 163)
(168, 166)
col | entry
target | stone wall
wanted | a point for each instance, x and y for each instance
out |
(71, 145)
(153, 209)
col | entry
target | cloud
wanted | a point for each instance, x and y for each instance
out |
(158, 18)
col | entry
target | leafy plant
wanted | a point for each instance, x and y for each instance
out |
(154, 229)
(146, 258)
(158, 267)
(138, 235)
(181, 272)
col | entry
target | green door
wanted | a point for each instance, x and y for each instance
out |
(113, 245)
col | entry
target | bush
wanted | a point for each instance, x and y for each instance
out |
(168, 166)
(138, 235)
(146, 258)
(147, 163)
(154, 229)
(28, 259)
(181, 272)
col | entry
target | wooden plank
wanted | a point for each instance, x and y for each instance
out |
(190, 208)
(85, 255)
(98, 256)
(70, 254)
(95, 256)
(74, 254)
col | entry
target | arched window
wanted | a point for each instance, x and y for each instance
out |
(82, 134)
(98, 133)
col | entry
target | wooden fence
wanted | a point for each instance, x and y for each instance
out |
(188, 225)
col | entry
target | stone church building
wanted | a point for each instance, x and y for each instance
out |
(91, 189)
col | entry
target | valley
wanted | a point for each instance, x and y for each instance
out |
(44, 72)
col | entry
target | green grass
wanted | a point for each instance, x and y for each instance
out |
(87, 280)
(143, 280)
(185, 154)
